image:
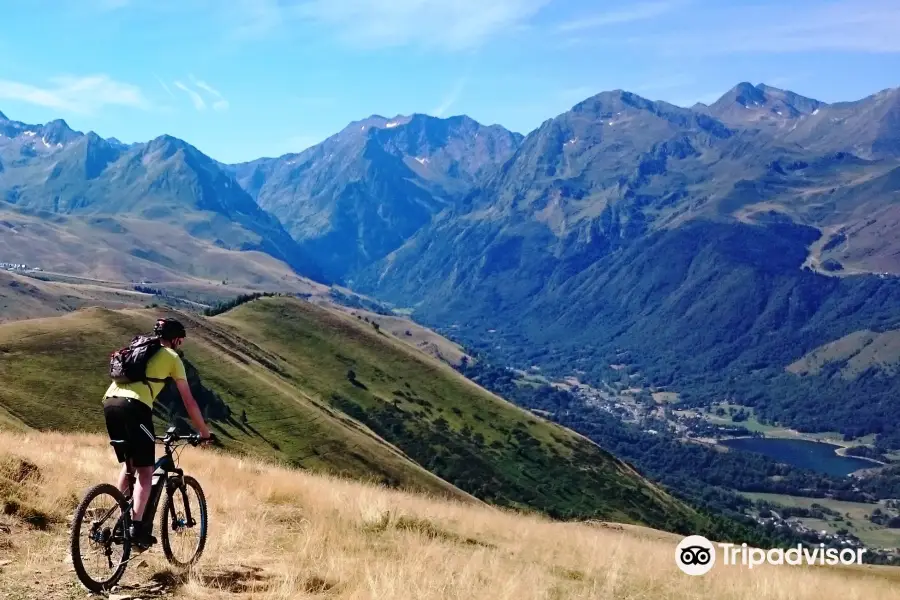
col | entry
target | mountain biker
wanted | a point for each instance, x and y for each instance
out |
(128, 409)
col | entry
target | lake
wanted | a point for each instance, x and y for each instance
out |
(817, 456)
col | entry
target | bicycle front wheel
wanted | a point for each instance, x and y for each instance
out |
(98, 542)
(183, 524)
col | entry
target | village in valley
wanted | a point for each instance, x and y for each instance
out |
(19, 267)
(655, 411)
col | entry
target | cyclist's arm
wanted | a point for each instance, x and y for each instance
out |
(191, 405)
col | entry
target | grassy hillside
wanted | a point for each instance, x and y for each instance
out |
(410, 332)
(853, 355)
(60, 363)
(281, 534)
(24, 297)
(456, 429)
(122, 248)
(286, 364)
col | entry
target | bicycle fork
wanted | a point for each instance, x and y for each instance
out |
(179, 487)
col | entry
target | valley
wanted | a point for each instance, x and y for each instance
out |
(832, 516)
(690, 452)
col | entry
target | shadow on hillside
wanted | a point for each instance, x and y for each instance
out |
(170, 407)
(239, 579)
(233, 580)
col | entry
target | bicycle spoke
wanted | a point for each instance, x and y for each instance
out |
(186, 538)
(100, 538)
(184, 524)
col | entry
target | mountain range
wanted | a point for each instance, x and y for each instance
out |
(711, 247)
(616, 159)
(360, 194)
(714, 246)
(96, 186)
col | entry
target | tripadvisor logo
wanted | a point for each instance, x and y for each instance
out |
(696, 555)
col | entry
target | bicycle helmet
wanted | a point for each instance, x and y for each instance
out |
(169, 329)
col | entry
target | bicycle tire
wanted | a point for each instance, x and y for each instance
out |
(202, 520)
(75, 540)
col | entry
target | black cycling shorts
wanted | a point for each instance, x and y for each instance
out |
(124, 417)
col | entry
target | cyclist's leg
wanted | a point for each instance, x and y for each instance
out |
(143, 483)
(142, 487)
(125, 484)
(143, 455)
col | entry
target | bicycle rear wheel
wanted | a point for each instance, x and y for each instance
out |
(99, 531)
(183, 523)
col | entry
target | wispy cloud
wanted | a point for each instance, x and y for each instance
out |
(219, 102)
(74, 94)
(637, 12)
(195, 97)
(851, 26)
(451, 98)
(165, 87)
(842, 25)
(441, 24)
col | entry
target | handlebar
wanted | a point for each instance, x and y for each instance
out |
(193, 439)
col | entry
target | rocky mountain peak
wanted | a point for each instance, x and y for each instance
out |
(59, 132)
(754, 104)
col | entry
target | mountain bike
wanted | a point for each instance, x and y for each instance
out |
(107, 526)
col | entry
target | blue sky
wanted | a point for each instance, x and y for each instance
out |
(247, 78)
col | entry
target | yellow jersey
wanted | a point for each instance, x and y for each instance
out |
(165, 364)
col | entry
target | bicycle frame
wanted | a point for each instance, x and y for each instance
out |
(165, 475)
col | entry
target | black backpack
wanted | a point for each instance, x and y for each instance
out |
(129, 364)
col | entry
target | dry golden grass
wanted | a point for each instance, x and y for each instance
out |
(279, 534)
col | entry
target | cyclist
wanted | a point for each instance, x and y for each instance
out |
(128, 409)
